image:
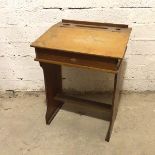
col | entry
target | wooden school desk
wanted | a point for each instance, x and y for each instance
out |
(82, 44)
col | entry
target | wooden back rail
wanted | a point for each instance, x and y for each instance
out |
(94, 23)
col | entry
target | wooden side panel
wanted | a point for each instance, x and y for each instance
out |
(115, 102)
(53, 85)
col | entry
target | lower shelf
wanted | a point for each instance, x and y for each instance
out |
(84, 106)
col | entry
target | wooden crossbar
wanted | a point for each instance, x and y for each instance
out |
(70, 98)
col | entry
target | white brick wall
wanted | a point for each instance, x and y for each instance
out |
(22, 21)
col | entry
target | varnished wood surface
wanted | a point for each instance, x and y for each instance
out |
(115, 100)
(94, 23)
(77, 60)
(81, 44)
(53, 85)
(108, 40)
(71, 98)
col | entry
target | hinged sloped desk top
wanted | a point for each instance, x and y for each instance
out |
(101, 39)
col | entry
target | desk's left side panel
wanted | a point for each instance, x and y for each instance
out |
(53, 85)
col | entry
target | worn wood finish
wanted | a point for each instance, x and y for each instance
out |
(108, 41)
(77, 60)
(94, 23)
(115, 101)
(81, 44)
(53, 85)
(70, 98)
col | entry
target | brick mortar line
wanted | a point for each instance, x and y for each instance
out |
(73, 8)
(11, 42)
(9, 25)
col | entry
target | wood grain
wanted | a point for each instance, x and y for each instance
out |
(71, 98)
(77, 60)
(81, 44)
(108, 41)
(53, 85)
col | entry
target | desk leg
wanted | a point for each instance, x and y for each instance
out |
(115, 102)
(53, 85)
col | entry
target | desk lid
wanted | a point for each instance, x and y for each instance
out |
(101, 39)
